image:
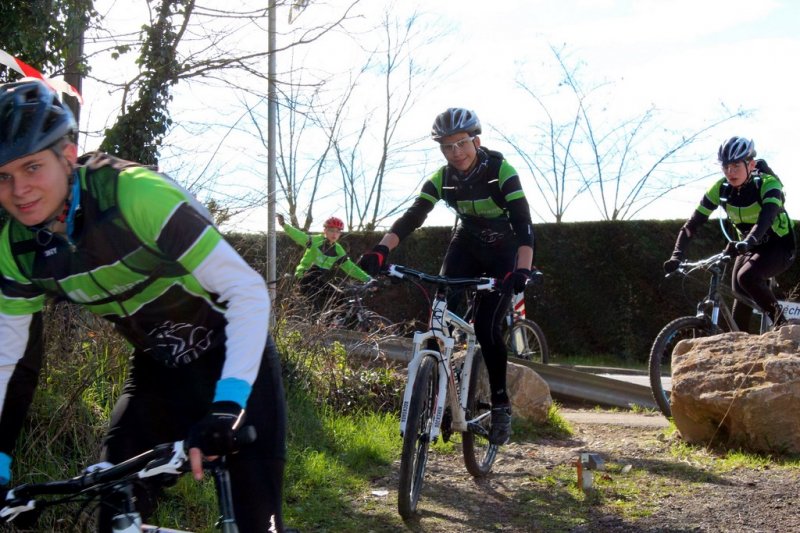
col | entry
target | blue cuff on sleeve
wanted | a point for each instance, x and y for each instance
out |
(233, 390)
(5, 468)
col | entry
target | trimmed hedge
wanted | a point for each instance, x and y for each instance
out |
(604, 292)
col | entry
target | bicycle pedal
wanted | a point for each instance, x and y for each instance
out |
(476, 428)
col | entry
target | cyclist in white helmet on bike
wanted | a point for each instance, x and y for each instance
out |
(752, 196)
(494, 237)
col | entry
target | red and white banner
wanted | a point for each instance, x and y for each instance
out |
(26, 70)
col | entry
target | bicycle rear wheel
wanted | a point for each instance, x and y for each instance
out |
(526, 340)
(687, 327)
(416, 438)
(479, 453)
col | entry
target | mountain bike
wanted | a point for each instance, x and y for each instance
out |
(713, 316)
(116, 481)
(523, 337)
(347, 311)
(443, 395)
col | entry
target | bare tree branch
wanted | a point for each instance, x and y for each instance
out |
(618, 164)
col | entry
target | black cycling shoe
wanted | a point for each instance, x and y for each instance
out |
(500, 432)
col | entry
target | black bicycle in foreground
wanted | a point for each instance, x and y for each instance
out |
(713, 316)
(165, 460)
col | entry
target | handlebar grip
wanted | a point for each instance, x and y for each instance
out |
(537, 277)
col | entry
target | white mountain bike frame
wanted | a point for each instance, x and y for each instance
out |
(450, 392)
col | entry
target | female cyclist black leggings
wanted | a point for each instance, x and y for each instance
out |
(160, 404)
(751, 273)
(469, 257)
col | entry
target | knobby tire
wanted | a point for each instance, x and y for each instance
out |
(526, 340)
(687, 327)
(372, 322)
(416, 438)
(479, 454)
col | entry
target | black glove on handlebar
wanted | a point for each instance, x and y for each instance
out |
(515, 281)
(537, 277)
(215, 433)
(742, 247)
(372, 262)
(671, 265)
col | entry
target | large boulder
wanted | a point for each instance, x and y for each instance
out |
(739, 391)
(530, 394)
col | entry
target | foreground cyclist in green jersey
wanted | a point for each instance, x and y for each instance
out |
(752, 197)
(323, 254)
(130, 245)
(494, 237)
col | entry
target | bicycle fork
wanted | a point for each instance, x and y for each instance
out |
(711, 307)
(443, 363)
(450, 392)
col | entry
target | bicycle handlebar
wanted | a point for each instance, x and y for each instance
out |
(709, 263)
(164, 459)
(537, 277)
(482, 284)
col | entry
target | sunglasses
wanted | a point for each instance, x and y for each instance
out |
(449, 148)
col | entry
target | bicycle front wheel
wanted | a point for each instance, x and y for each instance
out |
(416, 438)
(687, 327)
(372, 322)
(479, 453)
(526, 340)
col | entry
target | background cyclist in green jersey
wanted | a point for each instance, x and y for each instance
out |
(494, 237)
(322, 257)
(130, 245)
(752, 197)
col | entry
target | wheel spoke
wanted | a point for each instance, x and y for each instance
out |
(479, 453)
(660, 364)
(416, 439)
(526, 340)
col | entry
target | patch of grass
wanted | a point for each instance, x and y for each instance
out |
(638, 409)
(552, 503)
(724, 461)
(631, 490)
(188, 504)
(334, 457)
(556, 426)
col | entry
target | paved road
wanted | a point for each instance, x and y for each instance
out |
(613, 418)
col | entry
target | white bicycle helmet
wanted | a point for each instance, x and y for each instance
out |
(455, 120)
(736, 149)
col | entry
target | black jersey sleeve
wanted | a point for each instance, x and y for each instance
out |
(688, 231)
(769, 211)
(519, 212)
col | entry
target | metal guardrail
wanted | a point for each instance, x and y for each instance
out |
(572, 384)
(564, 382)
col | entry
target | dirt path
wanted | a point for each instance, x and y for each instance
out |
(523, 495)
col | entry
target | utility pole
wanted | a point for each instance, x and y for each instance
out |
(272, 112)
